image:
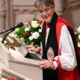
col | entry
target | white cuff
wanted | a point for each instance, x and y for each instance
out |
(55, 65)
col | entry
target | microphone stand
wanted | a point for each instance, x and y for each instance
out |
(10, 30)
(2, 32)
(7, 30)
(6, 35)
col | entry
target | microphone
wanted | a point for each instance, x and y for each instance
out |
(16, 26)
(13, 27)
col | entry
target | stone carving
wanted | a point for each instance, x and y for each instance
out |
(74, 5)
(2, 14)
(59, 7)
(18, 8)
(2, 7)
(24, 9)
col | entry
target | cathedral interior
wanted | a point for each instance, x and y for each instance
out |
(14, 11)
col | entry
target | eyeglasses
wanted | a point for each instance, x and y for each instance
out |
(45, 10)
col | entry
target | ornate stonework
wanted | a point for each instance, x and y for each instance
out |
(72, 5)
(2, 14)
(2, 5)
(59, 7)
(24, 9)
(71, 12)
(11, 11)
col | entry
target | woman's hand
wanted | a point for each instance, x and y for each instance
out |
(32, 48)
(46, 64)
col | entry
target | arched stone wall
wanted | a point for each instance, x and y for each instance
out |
(71, 12)
(2, 14)
(15, 11)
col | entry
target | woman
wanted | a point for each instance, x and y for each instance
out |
(59, 49)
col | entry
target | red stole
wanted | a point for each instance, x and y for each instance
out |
(64, 74)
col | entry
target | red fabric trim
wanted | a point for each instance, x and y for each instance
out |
(58, 63)
(47, 25)
(12, 78)
(68, 75)
(64, 74)
(58, 33)
(61, 20)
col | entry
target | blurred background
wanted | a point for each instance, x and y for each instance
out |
(14, 11)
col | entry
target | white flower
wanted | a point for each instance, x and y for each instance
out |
(31, 38)
(34, 24)
(27, 29)
(78, 29)
(40, 30)
(35, 35)
(79, 37)
(13, 35)
(78, 44)
(16, 30)
(18, 40)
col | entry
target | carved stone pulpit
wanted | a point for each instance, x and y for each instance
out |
(13, 63)
(27, 67)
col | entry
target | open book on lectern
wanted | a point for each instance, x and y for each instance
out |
(4, 54)
(28, 54)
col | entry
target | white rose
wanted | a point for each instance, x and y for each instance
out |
(40, 30)
(79, 44)
(79, 37)
(35, 35)
(27, 29)
(31, 38)
(16, 30)
(78, 29)
(34, 24)
(13, 35)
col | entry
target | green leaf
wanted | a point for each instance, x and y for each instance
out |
(27, 41)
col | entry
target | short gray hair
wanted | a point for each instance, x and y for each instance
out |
(45, 2)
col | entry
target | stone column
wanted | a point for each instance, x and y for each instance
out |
(2, 15)
(59, 7)
(9, 13)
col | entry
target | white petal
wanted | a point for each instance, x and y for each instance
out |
(34, 24)
(40, 30)
(35, 35)
(78, 29)
(31, 38)
(27, 29)
(79, 37)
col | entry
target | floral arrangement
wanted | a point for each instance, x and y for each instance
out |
(78, 36)
(30, 33)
